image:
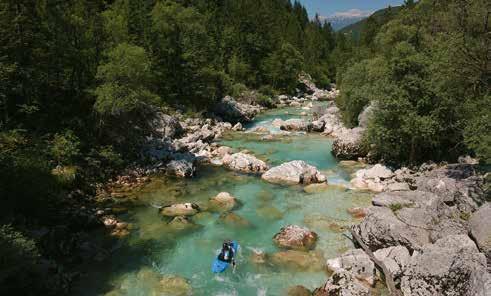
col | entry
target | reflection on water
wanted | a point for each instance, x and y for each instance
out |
(158, 256)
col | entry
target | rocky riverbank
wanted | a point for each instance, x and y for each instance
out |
(430, 227)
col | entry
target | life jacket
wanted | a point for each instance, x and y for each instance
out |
(226, 255)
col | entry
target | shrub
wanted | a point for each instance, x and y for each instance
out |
(19, 270)
(65, 147)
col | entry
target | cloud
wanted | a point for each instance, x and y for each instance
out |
(352, 13)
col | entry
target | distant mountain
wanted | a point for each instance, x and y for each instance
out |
(342, 19)
(340, 22)
(357, 27)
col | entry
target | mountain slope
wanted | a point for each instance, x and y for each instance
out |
(381, 16)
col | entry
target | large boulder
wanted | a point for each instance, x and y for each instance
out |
(183, 167)
(348, 144)
(395, 259)
(174, 285)
(456, 183)
(480, 226)
(451, 266)
(342, 283)
(230, 110)
(381, 228)
(357, 262)
(223, 202)
(373, 179)
(296, 125)
(244, 163)
(166, 126)
(296, 238)
(183, 209)
(294, 172)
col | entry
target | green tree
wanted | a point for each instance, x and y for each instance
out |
(126, 81)
(283, 66)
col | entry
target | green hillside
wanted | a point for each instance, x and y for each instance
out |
(381, 16)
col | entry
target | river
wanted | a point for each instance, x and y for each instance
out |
(154, 248)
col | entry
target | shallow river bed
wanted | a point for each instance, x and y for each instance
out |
(155, 248)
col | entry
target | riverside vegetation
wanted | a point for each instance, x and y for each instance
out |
(93, 90)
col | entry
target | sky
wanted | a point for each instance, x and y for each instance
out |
(327, 8)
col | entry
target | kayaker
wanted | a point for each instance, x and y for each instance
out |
(227, 254)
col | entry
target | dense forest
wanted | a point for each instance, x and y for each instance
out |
(79, 78)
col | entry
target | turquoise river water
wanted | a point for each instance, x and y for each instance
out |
(155, 249)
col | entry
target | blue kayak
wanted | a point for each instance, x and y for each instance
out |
(220, 266)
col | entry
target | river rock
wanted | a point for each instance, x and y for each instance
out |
(234, 220)
(294, 172)
(166, 126)
(231, 111)
(343, 283)
(382, 229)
(277, 122)
(372, 179)
(318, 125)
(245, 163)
(396, 259)
(357, 212)
(295, 104)
(296, 238)
(348, 145)
(296, 125)
(298, 260)
(183, 166)
(258, 257)
(405, 199)
(269, 213)
(480, 226)
(223, 202)
(222, 151)
(238, 127)
(316, 188)
(455, 183)
(174, 286)
(184, 209)
(298, 291)
(451, 266)
(357, 262)
(182, 224)
(260, 130)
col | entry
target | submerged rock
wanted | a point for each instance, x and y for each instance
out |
(234, 220)
(294, 172)
(316, 188)
(269, 213)
(174, 286)
(298, 291)
(244, 163)
(223, 202)
(184, 209)
(298, 260)
(296, 238)
(183, 223)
